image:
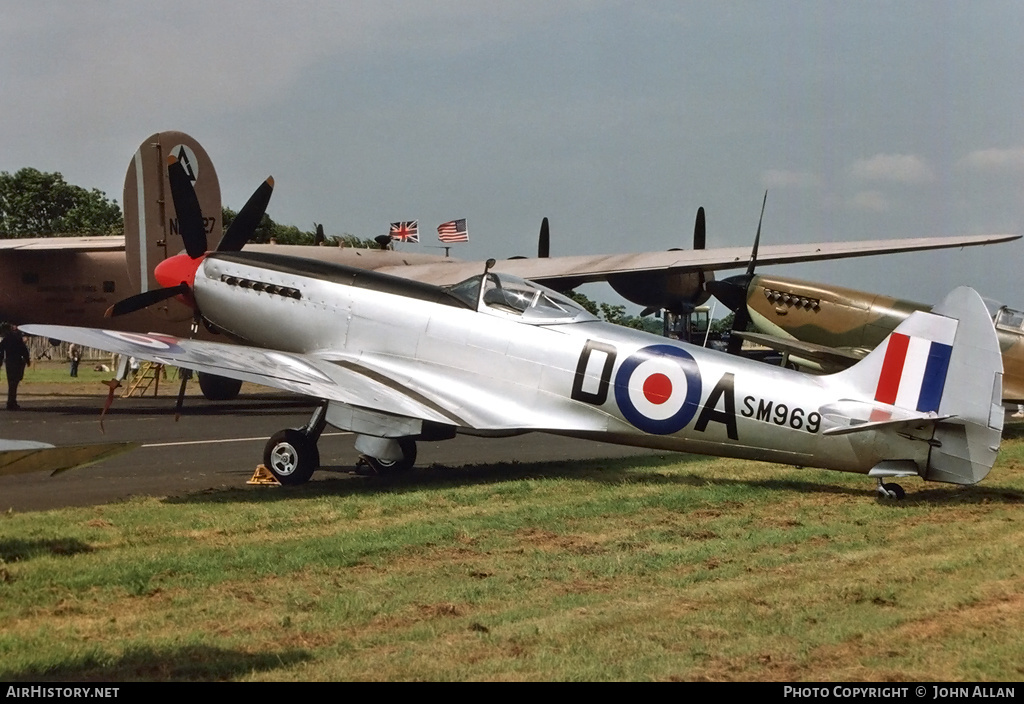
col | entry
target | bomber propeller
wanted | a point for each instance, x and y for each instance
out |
(732, 292)
(679, 306)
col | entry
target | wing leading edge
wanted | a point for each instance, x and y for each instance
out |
(385, 386)
(598, 267)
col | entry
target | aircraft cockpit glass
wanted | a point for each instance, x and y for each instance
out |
(467, 291)
(510, 295)
(1010, 318)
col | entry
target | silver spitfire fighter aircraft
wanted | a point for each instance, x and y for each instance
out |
(396, 360)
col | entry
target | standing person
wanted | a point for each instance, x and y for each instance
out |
(75, 353)
(14, 353)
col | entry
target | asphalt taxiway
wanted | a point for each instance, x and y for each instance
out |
(216, 445)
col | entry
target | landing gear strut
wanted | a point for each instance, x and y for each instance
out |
(890, 491)
(291, 455)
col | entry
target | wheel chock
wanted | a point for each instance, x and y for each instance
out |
(263, 477)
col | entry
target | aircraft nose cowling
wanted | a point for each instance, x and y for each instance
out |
(178, 269)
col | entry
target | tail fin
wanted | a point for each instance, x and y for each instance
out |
(941, 369)
(150, 223)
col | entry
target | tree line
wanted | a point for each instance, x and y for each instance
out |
(35, 203)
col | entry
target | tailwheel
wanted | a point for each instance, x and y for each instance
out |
(373, 465)
(890, 491)
(291, 457)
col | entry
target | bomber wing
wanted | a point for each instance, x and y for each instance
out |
(71, 244)
(598, 267)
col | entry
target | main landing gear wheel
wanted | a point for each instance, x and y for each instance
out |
(890, 491)
(378, 466)
(291, 457)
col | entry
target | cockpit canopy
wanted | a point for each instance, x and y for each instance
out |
(507, 295)
(1009, 319)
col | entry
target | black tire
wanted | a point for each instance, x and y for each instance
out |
(378, 466)
(895, 491)
(291, 457)
(219, 388)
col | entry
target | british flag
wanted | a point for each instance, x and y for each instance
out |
(406, 231)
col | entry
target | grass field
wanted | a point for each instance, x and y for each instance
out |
(672, 568)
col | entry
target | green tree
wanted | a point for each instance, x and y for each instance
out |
(38, 204)
(290, 234)
(723, 325)
(617, 314)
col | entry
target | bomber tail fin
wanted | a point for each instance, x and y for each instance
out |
(940, 370)
(150, 222)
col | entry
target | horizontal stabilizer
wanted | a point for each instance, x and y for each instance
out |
(857, 416)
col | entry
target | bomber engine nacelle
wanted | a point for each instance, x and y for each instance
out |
(677, 293)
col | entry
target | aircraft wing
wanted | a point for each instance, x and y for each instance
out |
(23, 456)
(70, 244)
(830, 359)
(383, 385)
(598, 267)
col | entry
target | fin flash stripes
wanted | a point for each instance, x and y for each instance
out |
(913, 373)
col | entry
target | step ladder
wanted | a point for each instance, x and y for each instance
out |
(148, 375)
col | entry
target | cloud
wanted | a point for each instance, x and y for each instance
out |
(871, 201)
(780, 178)
(999, 160)
(896, 168)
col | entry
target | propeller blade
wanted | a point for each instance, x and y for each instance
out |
(248, 219)
(544, 240)
(699, 230)
(740, 323)
(757, 239)
(186, 206)
(320, 237)
(145, 299)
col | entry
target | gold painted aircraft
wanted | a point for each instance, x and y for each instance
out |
(828, 328)
(25, 456)
(73, 281)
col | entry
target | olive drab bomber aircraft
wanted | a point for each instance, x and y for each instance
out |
(74, 280)
(826, 328)
(395, 360)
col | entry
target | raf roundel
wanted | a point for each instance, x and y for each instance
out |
(152, 341)
(657, 389)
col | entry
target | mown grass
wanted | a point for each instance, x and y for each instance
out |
(647, 568)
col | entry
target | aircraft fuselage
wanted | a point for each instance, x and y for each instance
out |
(602, 381)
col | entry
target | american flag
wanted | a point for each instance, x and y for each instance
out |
(406, 231)
(453, 231)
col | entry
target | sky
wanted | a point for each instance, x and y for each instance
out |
(616, 120)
